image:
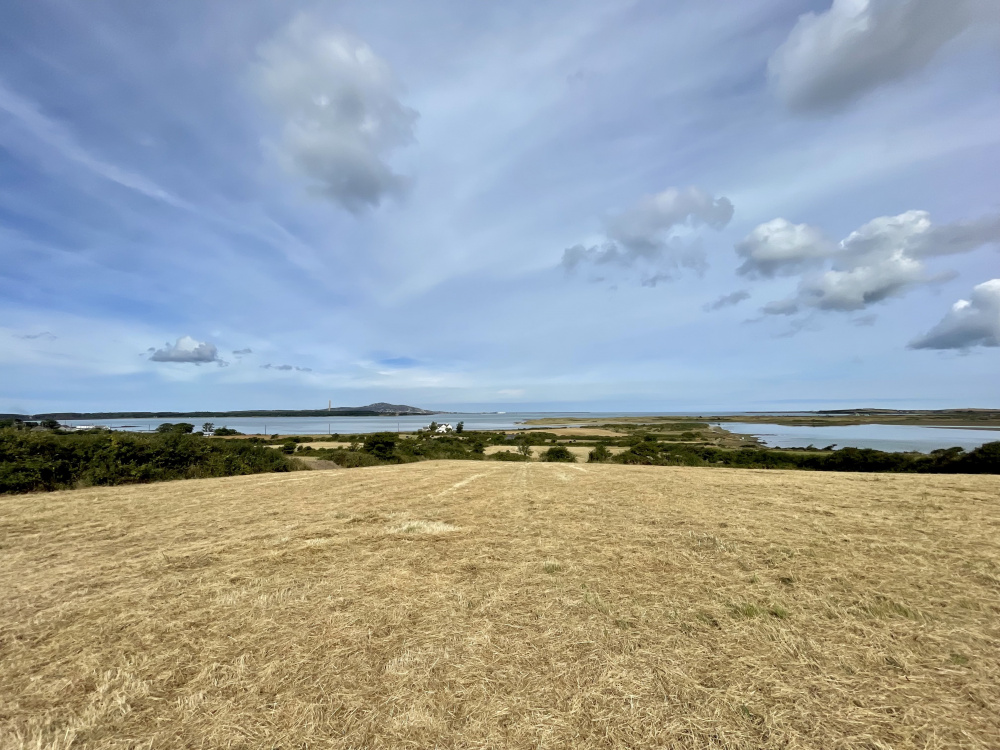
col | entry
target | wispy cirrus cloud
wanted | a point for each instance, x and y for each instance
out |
(44, 336)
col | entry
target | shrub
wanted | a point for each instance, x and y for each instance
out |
(33, 461)
(381, 445)
(559, 453)
(226, 431)
(509, 456)
(180, 427)
(599, 454)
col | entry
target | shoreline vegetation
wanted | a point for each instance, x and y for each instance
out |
(44, 459)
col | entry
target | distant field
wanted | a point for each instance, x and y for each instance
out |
(483, 604)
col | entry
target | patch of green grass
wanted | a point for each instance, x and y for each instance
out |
(551, 566)
(745, 610)
(776, 610)
(959, 659)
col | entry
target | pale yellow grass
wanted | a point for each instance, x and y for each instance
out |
(495, 605)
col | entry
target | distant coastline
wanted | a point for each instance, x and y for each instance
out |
(371, 410)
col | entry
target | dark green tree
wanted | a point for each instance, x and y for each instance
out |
(559, 453)
(381, 445)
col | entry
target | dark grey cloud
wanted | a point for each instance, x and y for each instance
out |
(286, 368)
(882, 259)
(188, 350)
(339, 105)
(727, 300)
(969, 323)
(642, 234)
(833, 58)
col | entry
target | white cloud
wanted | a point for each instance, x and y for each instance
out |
(883, 258)
(643, 233)
(969, 323)
(780, 248)
(341, 114)
(833, 58)
(188, 350)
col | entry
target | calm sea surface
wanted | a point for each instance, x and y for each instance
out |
(881, 437)
(351, 425)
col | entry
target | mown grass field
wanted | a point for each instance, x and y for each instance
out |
(486, 605)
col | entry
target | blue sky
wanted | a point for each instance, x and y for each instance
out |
(561, 205)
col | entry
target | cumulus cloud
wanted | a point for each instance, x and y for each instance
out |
(831, 59)
(286, 368)
(187, 350)
(882, 259)
(341, 112)
(727, 300)
(780, 248)
(643, 233)
(970, 322)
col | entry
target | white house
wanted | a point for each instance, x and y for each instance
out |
(443, 428)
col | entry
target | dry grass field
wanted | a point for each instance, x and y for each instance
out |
(504, 605)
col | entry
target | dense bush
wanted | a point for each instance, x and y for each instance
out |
(31, 461)
(180, 427)
(599, 454)
(226, 431)
(558, 453)
(509, 456)
(982, 460)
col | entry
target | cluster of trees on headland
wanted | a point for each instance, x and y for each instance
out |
(32, 460)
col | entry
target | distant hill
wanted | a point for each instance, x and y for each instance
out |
(371, 410)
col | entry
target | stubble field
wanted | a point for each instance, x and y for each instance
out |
(481, 604)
